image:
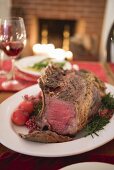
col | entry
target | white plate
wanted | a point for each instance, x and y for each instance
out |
(89, 166)
(10, 139)
(23, 63)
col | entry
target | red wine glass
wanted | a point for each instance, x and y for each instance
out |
(12, 42)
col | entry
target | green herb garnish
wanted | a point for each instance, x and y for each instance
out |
(61, 64)
(37, 108)
(44, 63)
(108, 101)
(41, 64)
(96, 125)
(98, 122)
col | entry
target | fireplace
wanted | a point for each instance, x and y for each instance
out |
(74, 18)
(57, 32)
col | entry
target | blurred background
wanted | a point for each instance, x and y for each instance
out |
(82, 27)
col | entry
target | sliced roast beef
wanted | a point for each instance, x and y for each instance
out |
(70, 98)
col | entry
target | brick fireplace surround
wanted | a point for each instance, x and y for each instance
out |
(89, 11)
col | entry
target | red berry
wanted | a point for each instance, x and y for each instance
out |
(103, 112)
(19, 117)
(27, 106)
(31, 124)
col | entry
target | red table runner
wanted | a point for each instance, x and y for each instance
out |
(28, 80)
(25, 80)
(96, 68)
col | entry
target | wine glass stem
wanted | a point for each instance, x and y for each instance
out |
(13, 68)
(1, 60)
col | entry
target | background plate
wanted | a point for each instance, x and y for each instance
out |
(89, 166)
(23, 63)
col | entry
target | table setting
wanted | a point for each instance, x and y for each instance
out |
(23, 82)
(52, 158)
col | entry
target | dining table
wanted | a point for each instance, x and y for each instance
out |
(10, 159)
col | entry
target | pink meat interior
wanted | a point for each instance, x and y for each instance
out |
(59, 114)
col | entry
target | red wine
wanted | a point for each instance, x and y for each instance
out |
(12, 49)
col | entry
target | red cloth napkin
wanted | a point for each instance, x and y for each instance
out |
(7, 65)
(25, 80)
(11, 161)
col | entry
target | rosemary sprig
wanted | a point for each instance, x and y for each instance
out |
(96, 125)
(99, 121)
(37, 108)
(108, 101)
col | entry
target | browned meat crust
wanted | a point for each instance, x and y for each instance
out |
(45, 137)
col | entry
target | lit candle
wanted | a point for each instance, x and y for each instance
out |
(69, 55)
(43, 49)
(58, 54)
(49, 50)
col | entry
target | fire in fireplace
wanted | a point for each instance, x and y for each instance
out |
(57, 32)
